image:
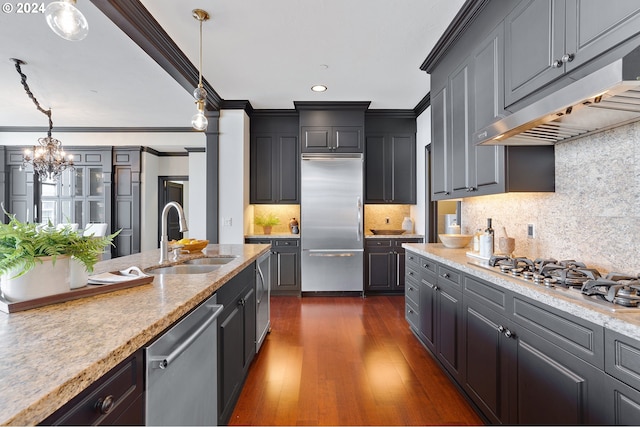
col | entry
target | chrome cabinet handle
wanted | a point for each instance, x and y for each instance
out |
(567, 57)
(501, 329)
(445, 275)
(508, 333)
(557, 63)
(470, 189)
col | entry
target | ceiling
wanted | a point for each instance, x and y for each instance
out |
(267, 52)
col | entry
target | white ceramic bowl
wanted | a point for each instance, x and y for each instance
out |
(455, 241)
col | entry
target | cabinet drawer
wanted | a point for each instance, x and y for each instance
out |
(577, 336)
(375, 243)
(448, 276)
(622, 358)
(412, 291)
(107, 399)
(288, 242)
(486, 293)
(253, 241)
(412, 259)
(412, 314)
(412, 272)
(428, 266)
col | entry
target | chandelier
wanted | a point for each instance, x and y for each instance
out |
(199, 120)
(48, 159)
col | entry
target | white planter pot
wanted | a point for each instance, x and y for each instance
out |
(79, 274)
(43, 280)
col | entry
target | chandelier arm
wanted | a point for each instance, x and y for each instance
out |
(23, 80)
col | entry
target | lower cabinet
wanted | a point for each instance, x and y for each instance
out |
(520, 361)
(285, 265)
(236, 339)
(115, 399)
(384, 264)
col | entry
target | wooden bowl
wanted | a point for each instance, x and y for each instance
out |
(455, 241)
(193, 246)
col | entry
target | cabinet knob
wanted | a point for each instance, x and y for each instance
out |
(410, 258)
(241, 301)
(445, 275)
(410, 288)
(501, 329)
(470, 189)
(567, 57)
(425, 265)
(557, 63)
(411, 273)
(508, 333)
(104, 405)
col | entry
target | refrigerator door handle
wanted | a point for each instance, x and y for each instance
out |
(359, 230)
(332, 253)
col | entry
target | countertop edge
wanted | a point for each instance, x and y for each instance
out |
(627, 324)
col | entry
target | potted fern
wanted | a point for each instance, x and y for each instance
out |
(35, 259)
(266, 221)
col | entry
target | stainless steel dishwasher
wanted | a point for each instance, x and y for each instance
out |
(182, 369)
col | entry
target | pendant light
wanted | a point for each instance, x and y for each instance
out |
(66, 20)
(199, 120)
(48, 159)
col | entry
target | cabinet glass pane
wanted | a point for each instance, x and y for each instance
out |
(79, 213)
(96, 187)
(79, 190)
(96, 211)
(49, 190)
(49, 212)
(65, 183)
(67, 215)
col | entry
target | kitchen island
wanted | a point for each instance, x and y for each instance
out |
(50, 354)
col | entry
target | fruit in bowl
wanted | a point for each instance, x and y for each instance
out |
(189, 245)
(455, 241)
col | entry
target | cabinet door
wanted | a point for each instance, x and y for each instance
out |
(440, 147)
(486, 378)
(285, 270)
(379, 266)
(459, 116)
(376, 186)
(593, 29)
(403, 169)
(428, 311)
(347, 139)
(449, 330)
(568, 388)
(263, 168)
(534, 39)
(316, 138)
(230, 364)
(624, 403)
(288, 170)
(249, 319)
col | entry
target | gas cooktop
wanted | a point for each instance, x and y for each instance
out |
(614, 292)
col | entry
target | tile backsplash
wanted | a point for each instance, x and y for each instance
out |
(375, 217)
(594, 214)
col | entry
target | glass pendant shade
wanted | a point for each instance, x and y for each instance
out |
(199, 121)
(66, 20)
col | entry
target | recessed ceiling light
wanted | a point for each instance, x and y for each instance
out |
(318, 88)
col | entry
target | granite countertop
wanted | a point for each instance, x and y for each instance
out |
(50, 354)
(623, 321)
(394, 236)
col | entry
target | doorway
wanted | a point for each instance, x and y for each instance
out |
(171, 189)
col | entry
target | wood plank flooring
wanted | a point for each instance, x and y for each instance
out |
(346, 361)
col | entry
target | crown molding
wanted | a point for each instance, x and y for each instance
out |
(423, 104)
(80, 129)
(337, 105)
(394, 114)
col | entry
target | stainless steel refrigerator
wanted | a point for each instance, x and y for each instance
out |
(332, 223)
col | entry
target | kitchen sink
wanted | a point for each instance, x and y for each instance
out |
(185, 269)
(210, 261)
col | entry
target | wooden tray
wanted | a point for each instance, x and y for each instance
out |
(87, 291)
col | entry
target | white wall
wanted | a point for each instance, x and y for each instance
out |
(197, 216)
(233, 174)
(423, 138)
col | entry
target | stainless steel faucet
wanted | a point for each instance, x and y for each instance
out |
(164, 240)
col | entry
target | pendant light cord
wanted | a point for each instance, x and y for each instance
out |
(23, 80)
(200, 67)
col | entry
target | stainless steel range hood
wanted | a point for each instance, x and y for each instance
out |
(605, 99)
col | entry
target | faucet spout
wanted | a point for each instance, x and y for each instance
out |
(164, 240)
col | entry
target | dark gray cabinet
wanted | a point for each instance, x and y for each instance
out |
(624, 402)
(285, 265)
(440, 147)
(384, 265)
(236, 338)
(274, 159)
(332, 139)
(548, 38)
(115, 399)
(390, 158)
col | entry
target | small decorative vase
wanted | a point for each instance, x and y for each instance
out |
(43, 280)
(267, 229)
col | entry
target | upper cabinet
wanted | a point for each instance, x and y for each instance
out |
(331, 127)
(545, 39)
(274, 159)
(390, 158)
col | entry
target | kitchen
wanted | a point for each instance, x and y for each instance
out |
(592, 215)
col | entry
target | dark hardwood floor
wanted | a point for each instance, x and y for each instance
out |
(346, 361)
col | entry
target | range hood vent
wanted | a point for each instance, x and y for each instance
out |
(607, 98)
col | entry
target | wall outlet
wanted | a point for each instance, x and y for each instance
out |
(228, 222)
(386, 220)
(530, 231)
